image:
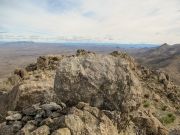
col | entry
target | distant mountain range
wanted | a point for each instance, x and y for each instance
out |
(165, 57)
(82, 44)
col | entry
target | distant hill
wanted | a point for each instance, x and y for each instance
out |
(165, 57)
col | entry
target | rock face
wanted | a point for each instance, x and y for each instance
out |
(8, 101)
(104, 81)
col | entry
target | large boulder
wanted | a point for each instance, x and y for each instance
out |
(105, 81)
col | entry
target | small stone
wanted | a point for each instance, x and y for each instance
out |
(25, 119)
(57, 123)
(62, 131)
(47, 121)
(156, 97)
(43, 130)
(33, 122)
(51, 107)
(55, 115)
(63, 105)
(6, 129)
(14, 117)
(31, 111)
(12, 112)
(17, 125)
(40, 114)
(27, 129)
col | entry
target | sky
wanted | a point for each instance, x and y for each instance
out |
(122, 21)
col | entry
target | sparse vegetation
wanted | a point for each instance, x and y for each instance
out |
(146, 104)
(168, 118)
(146, 96)
(164, 107)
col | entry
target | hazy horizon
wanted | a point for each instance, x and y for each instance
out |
(117, 21)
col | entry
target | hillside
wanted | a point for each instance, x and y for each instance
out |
(165, 57)
(89, 93)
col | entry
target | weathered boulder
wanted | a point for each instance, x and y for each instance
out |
(105, 81)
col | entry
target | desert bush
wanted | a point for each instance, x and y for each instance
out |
(164, 107)
(146, 104)
(13, 80)
(4, 86)
(22, 73)
(31, 67)
(168, 118)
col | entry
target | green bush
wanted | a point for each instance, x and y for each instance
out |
(168, 118)
(146, 104)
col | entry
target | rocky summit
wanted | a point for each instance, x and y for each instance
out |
(89, 94)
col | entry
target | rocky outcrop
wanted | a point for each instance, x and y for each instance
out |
(8, 101)
(48, 62)
(32, 85)
(38, 88)
(105, 81)
(58, 120)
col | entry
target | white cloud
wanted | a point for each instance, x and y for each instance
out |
(135, 21)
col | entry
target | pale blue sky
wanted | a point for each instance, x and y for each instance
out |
(125, 21)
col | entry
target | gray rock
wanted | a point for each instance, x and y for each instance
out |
(31, 111)
(51, 107)
(6, 129)
(17, 125)
(25, 119)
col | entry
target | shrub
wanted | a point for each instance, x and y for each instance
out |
(164, 107)
(168, 118)
(146, 104)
